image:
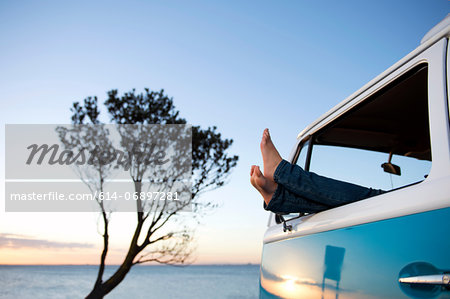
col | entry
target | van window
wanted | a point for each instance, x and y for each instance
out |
(383, 143)
(363, 167)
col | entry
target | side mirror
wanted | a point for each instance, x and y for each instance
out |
(391, 168)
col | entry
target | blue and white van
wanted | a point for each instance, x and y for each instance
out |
(392, 134)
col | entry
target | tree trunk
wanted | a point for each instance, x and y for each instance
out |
(103, 288)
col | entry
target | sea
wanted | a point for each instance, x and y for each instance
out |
(160, 281)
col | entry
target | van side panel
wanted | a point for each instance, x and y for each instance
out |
(363, 261)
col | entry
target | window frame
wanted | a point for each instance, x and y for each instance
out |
(435, 188)
(301, 144)
(312, 139)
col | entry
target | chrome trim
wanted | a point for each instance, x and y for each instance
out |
(437, 279)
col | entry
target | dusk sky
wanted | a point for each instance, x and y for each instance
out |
(239, 65)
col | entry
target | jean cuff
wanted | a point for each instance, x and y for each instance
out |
(278, 170)
(274, 201)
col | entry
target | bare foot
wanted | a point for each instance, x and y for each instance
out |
(271, 157)
(263, 185)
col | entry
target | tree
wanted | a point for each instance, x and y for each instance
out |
(152, 241)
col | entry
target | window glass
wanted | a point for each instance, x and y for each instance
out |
(363, 167)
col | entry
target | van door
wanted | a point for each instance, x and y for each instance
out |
(380, 247)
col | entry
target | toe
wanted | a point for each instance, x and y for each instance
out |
(258, 171)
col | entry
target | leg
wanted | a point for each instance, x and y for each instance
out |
(284, 201)
(306, 185)
(278, 199)
(323, 190)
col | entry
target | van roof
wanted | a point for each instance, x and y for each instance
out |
(441, 26)
(440, 30)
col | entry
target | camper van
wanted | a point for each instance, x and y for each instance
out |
(392, 134)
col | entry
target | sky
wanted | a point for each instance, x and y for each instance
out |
(239, 65)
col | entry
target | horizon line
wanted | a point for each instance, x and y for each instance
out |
(142, 265)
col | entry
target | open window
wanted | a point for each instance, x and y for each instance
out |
(382, 143)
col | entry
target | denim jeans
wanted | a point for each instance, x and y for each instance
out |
(303, 191)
